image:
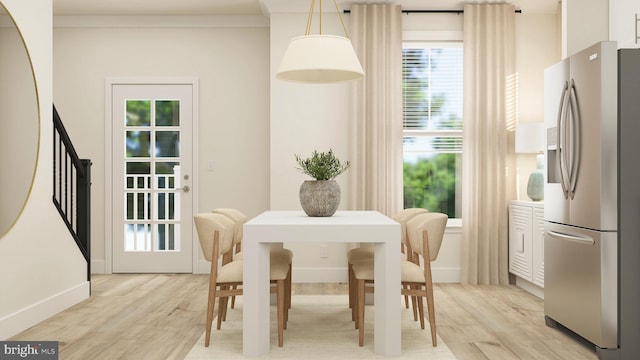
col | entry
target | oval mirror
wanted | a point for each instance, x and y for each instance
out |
(19, 123)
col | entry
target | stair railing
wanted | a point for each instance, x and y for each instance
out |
(72, 189)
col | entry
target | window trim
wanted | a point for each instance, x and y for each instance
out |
(432, 36)
(431, 39)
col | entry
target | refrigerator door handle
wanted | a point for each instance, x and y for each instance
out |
(576, 137)
(560, 137)
(573, 238)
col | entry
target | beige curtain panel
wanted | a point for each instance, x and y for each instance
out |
(376, 110)
(488, 154)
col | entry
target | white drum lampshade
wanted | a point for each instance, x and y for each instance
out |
(320, 59)
(530, 138)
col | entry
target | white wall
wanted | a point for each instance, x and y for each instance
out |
(623, 26)
(41, 269)
(584, 23)
(19, 115)
(306, 117)
(536, 49)
(230, 58)
(251, 123)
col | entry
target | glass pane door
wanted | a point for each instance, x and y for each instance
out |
(151, 125)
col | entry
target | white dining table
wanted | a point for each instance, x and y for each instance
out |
(344, 226)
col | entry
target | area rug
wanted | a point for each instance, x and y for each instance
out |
(319, 327)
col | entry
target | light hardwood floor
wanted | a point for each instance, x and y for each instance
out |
(161, 316)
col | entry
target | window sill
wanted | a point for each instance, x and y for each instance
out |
(454, 225)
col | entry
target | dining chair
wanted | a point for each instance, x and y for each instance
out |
(277, 254)
(215, 233)
(424, 233)
(367, 252)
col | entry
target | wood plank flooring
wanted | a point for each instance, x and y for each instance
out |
(161, 316)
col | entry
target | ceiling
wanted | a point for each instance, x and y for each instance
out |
(253, 7)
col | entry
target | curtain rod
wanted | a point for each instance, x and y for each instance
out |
(431, 11)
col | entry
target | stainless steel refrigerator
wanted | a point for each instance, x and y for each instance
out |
(582, 240)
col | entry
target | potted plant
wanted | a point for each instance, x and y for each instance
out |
(321, 197)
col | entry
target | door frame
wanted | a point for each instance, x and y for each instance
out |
(108, 157)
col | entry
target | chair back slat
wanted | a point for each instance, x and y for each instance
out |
(435, 225)
(206, 225)
(238, 217)
(403, 216)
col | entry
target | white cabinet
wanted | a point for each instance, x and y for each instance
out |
(526, 244)
(623, 23)
(584, 22)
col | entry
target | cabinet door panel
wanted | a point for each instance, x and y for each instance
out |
(538, 246)
(622, 22)
(520, 237)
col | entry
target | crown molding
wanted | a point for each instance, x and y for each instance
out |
(160, 21)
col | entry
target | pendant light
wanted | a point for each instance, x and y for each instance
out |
(320, 59)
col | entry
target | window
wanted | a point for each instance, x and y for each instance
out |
(432, 126)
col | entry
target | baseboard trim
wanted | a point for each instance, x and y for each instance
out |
(451, 275)
(319, 275)
(31, 315)
(339, 275)
(202, 267)
(97, 267)
(530, 287)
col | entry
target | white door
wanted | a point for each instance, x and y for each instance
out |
(152, 200)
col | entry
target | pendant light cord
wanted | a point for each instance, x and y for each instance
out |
(341, 20)
(310, 18)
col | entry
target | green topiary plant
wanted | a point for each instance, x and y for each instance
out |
(322, 166)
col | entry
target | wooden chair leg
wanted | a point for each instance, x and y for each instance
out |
(352, 293)
(406, 299)
(432, 314)
(233, 298)
(354, 299)
(287, 299)
(227, 258)
(354, 312)
(213, 276)
(225, 306)
(210, 305)
(221, 306)
(415, 258)
(281, 310)
(289, 276)
(421, 311)
(414, 305)
(360, 306)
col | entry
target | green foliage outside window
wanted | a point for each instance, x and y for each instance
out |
(431, 184)
(432, 102)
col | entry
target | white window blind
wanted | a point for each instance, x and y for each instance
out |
(432, 99)
(432, 126)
